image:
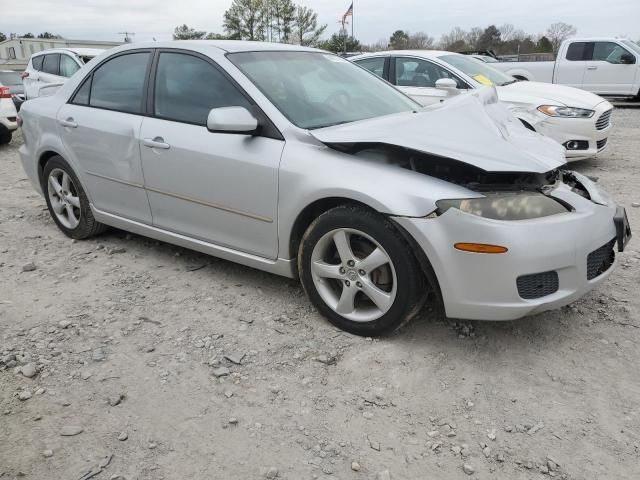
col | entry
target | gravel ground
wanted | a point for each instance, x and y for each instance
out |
(122, 357)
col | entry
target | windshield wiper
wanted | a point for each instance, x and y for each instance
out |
(509, 82)
(330, 124)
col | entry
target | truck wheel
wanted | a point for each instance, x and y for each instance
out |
(5, 137)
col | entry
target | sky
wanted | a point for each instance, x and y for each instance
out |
(374, 19)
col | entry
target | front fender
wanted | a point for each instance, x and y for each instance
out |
(309, 173)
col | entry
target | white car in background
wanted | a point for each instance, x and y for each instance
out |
(578, 120)
(54, 67)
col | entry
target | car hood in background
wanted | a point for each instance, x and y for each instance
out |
(473, 128)
(548, 94)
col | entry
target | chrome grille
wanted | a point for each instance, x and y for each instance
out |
(601, 143)
(604, 120)
(600, 260)
(537, 285)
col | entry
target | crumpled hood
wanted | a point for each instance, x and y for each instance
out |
(548, 94)
(473, 128)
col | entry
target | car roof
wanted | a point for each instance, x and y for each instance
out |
(595, 39)
(83, 52)
(415, 53)
(230, 46)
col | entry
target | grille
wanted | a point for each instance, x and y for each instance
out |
(537, 285)
(600, 260)
(601, 143)
(603, 120)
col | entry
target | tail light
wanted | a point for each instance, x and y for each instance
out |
(24, 75)
(4, 92)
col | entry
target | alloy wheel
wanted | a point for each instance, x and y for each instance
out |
(64, 198)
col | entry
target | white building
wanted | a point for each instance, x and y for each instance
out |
(15, 52)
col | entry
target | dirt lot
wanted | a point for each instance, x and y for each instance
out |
(175, 365)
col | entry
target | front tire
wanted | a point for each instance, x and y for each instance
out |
(67, 201)
(360, 272)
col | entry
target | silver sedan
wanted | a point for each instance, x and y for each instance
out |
(300, 163)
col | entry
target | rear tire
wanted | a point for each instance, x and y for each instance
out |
(359, 271)
(67, 201)
(5, 137)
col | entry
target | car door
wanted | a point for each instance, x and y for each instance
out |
(50, 71)
(218, 187)
(570, 70)
(100, 129)
(417, 78)
(31, 80)
(611, 70)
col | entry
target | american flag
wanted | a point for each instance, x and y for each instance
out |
(348, 13)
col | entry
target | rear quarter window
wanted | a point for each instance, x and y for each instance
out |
(36, 62)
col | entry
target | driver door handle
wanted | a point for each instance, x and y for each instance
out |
(69, 122)
(157, 142)
(592, 67)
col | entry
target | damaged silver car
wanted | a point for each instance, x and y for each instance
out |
(300, 163)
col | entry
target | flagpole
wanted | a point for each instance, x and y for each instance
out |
(352, 17)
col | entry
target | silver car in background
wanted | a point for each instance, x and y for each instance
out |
(300, 163)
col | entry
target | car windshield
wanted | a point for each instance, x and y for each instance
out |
(481, 72)
(10, 79)
(315, 90)
(632, 45)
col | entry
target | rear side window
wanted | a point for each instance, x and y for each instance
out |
(68, 66)
(188, 87)
(51, 63)
(37, 62)
(577, 51)
(374, 65)
(118, 84)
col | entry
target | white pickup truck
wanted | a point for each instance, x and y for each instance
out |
(606, 66)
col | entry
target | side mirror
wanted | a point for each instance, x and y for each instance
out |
(232, 120)
(627, 59)
(447, 84)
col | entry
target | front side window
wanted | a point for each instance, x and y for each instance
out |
(188, 87)
(118, 84)
(315, 90)
(414, 72)
(37, 62)
(51, 63)
(374, 65)
(68, 66)
(481, 72)
(608, 52)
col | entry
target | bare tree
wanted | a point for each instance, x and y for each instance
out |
(456, 36)
(506, 31)
(473, 37)
(420, 41)
(559, 32)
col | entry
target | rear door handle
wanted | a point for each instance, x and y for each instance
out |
(69, 122)
(157, 142)
(592, 67)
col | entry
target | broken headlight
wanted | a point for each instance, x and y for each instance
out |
(568, 112)
(506, 206)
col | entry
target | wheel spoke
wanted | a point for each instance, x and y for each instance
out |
(341, 239)
(75, 201)
(71, 216)
(57, 206)
(345, 304)
(56, 185)
(326, 270)
(381, 298)
(65, 182)
(375, 259)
